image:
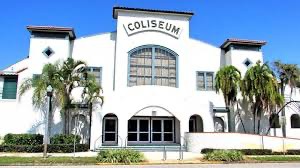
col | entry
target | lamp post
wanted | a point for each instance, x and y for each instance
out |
(49, 95)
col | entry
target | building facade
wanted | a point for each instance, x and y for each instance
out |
(158, 82)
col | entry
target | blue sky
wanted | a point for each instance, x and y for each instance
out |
(276, 21)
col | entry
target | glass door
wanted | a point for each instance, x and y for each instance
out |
(110, 130)
(162, 130)
(138, 130)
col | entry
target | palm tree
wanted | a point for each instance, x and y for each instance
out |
(288, 74)
(260, 87)
(63, 77)
(70, 75)
(227, 80)
(92, 94)
(40, 84)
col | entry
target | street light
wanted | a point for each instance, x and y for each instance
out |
(49, 95)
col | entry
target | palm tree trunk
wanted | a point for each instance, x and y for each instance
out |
(90, 124)
(237, 106)
(282, 88)
(254, 119)
(258, 120)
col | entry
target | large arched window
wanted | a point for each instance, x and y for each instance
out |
(295, 121)
(152, 65)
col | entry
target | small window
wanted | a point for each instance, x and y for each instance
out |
(48, 52)
(274, 121)
(205, 80)
(295, 121)
(10, 87)
(247, 63)
(97, 72)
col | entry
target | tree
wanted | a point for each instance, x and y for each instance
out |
(92, 94)
(63, 77)
(40, 84)
(288, 74)
(260, 88)
(227, 80)
(70, 75)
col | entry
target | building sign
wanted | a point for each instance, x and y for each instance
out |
(153, 25)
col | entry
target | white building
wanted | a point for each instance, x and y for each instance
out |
(157, 80)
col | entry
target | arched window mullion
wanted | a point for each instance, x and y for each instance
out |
(153, 66)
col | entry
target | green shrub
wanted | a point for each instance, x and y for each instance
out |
(126, 156)
(23, 139)
(224, 155)
(52, 148)
(293, 152)
(64, 139)
(67, 148)
(244, 151)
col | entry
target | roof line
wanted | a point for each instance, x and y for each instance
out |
(242, 41)
(118, 8)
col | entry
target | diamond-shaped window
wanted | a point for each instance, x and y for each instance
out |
(48, 52)
(247, 63)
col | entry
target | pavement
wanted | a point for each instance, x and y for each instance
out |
(150, 156)
(256, 165)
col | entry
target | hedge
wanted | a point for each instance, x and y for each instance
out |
(64, 139)
(244, 151)
(23, 139)
(125, 156)
(224, 155)
(52, 148)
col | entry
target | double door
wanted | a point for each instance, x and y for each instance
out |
(150, 130)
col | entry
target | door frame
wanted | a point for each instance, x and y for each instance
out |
(115, 132)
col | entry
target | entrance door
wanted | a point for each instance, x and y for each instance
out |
(139, 130)
(110, 130)
(162, 130)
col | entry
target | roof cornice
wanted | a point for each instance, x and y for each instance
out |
(127, 9)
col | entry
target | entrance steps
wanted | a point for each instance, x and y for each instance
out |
(147, 148)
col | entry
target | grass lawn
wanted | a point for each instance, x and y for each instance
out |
(47, 161)
(276, 158)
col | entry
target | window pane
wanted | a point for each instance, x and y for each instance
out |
(110, 125)
(132, 125)
(200, 81)
(110, 137)
(168, 136)
(168, 125)
(144, 137)
(209, 81)
(144, 125)
(156, 137)
(132, 136)
(156, 125)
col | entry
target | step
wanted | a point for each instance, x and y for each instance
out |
(145, 148)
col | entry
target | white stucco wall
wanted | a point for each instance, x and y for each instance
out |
(198, 141)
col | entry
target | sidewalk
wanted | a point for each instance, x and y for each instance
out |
(150, 156)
